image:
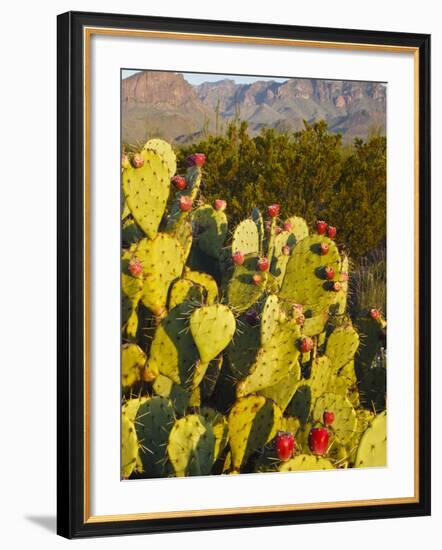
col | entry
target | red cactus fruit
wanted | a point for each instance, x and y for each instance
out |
(321, 227)
(197, 159)
(329, 273)
(318, 440)
(285, 250)
(306, 345)
(238, 258)
(324, 249)
(287, 226)
(284, 445)
(331, 231)
(135, 267)
(179, 182)
(375, 314)
(186, 203)
(273, 210)
(256, 279)
(137, 161)
(328, 417)
(220, 204)
(263, 264)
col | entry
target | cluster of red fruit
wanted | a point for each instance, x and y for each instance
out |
(318, 439)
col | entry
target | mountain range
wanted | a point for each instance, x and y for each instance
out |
(165, 104)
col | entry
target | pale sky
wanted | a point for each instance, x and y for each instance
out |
(195, 78)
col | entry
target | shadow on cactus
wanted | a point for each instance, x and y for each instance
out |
(239, 354)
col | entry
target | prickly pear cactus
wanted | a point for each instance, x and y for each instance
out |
(234, 342)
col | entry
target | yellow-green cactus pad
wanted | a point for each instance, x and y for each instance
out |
(242, 293)
(133, 361)
(129, 447)
(176, 394)
(162, 259)
(345, 422)
(306, 462)
(270, 317)
(173, 352)
(246, 238)
(206, 281)
(191, 446)
(372, 450)
(321, 376)
(184, 290)
(146, 191)
(274, 360)
(284, 390)
(304, 281)
(253, 421)
(220, 428)
(342, 344)
(212, 328)
(165, 151)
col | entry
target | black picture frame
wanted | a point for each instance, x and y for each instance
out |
(72, 520)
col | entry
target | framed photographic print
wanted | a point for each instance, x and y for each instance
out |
(243, 210)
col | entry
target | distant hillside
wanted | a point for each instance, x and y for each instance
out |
(164, 104)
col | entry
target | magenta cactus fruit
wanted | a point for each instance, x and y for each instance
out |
(263, 264)
(179, 182)
(273, 210)
(197, 159)
(287, 226)
(135, 267)
(375, 314)
(220, 205)
(306, 345)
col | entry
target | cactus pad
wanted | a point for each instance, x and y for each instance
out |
(165, 151)
(242, 293)
(306, 462)
(207, 282)
(191, 446)
(284, 390)
(130, 461)
(301, 403)
(274, 360)
(220, 428)
(253, 421)
(133, 361)
(176, 394)
(372, 450)
(173, 352)
(210, 226)
(246, 238)
(270, 317)
(153, 423)
(212, 328)
(341, 346)
(184, 290)
(162, 259)
(345, 421)
(146, 191)
(303, 281)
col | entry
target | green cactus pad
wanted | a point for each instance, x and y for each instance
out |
(133, 361)
(253, 421)
(191, 446)
(321, 374)
(146, 191)
(211, 229)
(130, 461)
(306, 462)
(176, 216)
(284, 390)
(165, 151)
(270, 317)
(154, 421)
(212, 328)
(257, 219)
(205, 281)
(173, 352)
(241, 292)
(372, 385)
(246, 238)
(176, 394)
(162, 259)
(301, 403)
(208, 382)
(130, 232)
(184, 290)
(370, 342)
(303, 281)
(372, 450)
(345, 422)
(242, 351)
(342, 344)
(274, 360)
(219, 426)
(183, 234)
